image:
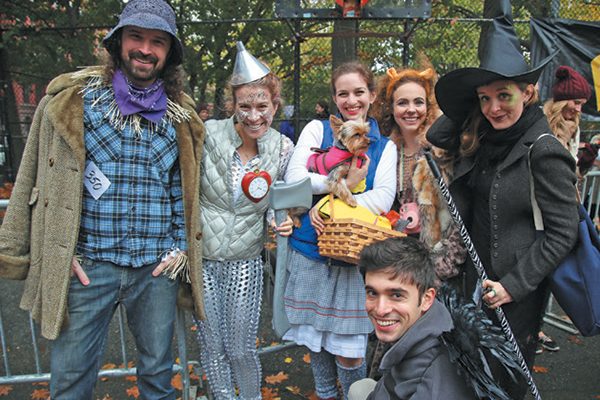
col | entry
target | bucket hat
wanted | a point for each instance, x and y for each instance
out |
(500, 59)
(149, 14)
(246, 68)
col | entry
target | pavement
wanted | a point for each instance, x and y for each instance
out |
(569, 374)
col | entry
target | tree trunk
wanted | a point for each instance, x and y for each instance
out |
(344, 48)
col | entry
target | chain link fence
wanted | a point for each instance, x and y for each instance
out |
(302, 54)
(583, 10)
(381, 44)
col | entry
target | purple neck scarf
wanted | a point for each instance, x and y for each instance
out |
(150, 102)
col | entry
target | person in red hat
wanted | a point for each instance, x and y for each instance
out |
(569, 93)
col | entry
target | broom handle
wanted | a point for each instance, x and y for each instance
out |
(480, 270)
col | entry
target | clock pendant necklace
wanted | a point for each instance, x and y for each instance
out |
(256, 184)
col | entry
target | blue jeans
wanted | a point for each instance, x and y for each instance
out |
(150, 303)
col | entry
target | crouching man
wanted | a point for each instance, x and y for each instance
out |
(400, 284)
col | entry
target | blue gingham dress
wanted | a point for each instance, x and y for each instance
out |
(325, 305)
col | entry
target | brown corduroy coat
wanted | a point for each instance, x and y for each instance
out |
(40, 229)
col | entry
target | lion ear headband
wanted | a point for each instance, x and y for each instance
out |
(427, 75)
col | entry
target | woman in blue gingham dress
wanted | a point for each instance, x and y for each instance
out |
(327, 304)
(324, 299)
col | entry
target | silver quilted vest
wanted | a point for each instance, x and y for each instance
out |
(232, 231)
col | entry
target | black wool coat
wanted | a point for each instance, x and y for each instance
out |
(520, 257)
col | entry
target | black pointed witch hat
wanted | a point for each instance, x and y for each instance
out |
(500, 59)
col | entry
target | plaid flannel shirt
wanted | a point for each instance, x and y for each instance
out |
(140, 215)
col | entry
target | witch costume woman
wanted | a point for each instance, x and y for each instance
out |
(494, 128)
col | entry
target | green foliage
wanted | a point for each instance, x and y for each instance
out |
(44, 38)
(581, 10)
(210, 46)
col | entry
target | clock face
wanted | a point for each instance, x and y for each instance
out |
(258, 188)
(255, 185)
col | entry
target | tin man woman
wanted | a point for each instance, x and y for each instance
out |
(242, 156)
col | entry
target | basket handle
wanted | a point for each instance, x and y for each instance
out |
(331, 206)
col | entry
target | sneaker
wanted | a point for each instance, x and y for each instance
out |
(539, 349)
(547, 343)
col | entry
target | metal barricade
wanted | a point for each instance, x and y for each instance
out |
(39, 376)
(590, 197)
(183, 366)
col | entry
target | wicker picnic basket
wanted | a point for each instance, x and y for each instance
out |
(344, 238)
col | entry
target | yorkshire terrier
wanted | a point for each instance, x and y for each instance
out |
(349, 140)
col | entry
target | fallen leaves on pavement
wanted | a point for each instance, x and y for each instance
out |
(107, 366)
(5, 390)
(293, 389)
(6, 190)
(574, 339)
(40, 394)
(540, 370)
(177, 382)
(270, 394)
(130, 364)
(133, 392)
(275, 379)
(312, 396)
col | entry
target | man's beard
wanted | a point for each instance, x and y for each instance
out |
(137, 74)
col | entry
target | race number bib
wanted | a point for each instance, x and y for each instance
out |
(94, 180)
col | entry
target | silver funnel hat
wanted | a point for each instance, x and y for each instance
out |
(247, 68)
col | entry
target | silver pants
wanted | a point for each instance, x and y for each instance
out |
(232, 299)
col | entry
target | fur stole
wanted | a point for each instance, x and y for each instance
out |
(436, 220)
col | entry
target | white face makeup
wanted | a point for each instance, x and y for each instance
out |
(254, 110)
